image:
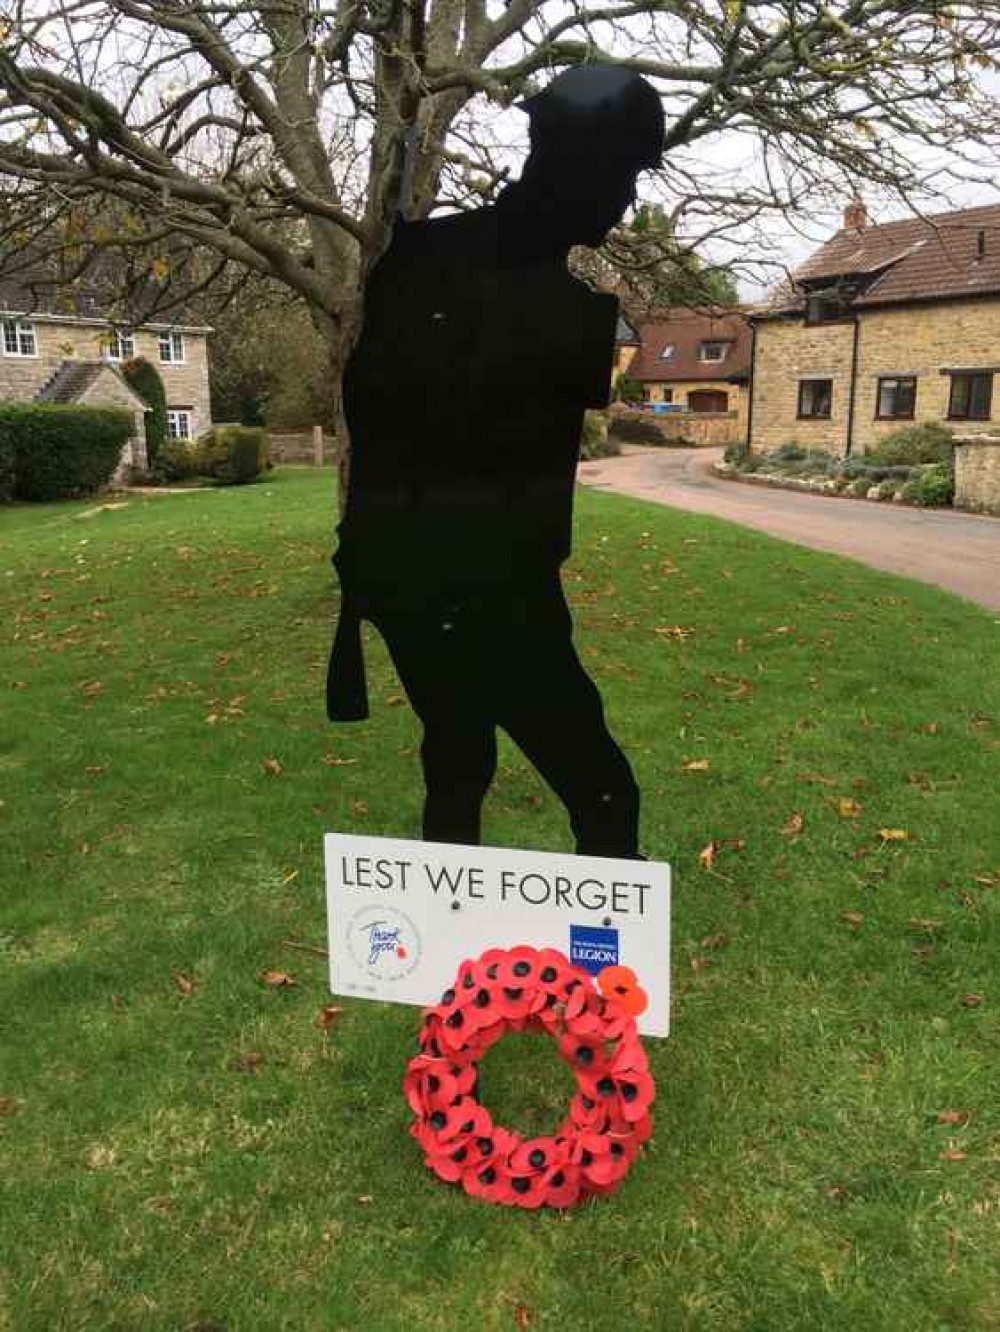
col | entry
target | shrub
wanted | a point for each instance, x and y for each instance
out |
(629, 390)
(859, 486)
(935, 486)
(143, 376)
(176, 461)
(8, 459)
(634, 430)
(594, 439)
(788, 453)
(930, 443)
(887, 488)
(736, 453)
(233, 454)
(61, 450)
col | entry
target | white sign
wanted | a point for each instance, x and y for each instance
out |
(403, 915)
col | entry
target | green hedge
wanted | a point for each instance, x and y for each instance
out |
(233, 454)
(62, 451)
(143, 376)
(8, 473)
(634, 429)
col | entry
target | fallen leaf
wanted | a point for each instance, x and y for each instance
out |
(919, 779)
(846, 807)
(952, 1154)
(365, 1198)
(853, 918)
(334, 761)
(92, 687)
(273, 766)
(707, 855)
(290, 876)
(893, 834)
(521, 1316)
(8, 1106)
(696, 765)
(972, 1000)
(279, 979)
(817, 778)
(953, 1116)
(359, 807)
(118, 1003)
(395, 701)
(929, 728)
(249, 1063)
(926, 924)
(793, 825)
(184, 983)
(327, 1016)
(713, 941)
(97, 771)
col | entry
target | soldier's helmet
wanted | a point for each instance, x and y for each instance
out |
(589, 107)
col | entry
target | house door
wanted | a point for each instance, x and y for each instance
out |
(708, 400)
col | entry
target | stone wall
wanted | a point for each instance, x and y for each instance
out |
(919, 341)
(786, 351)
(186, 385)
(977, 475)
(109, 391)
(696, 429)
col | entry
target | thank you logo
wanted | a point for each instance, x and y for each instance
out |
(384, 942)
(593, 948)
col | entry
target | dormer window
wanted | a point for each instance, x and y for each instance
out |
(713, 351)
(823, 307)
(667, 352)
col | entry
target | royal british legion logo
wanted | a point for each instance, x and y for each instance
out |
(593, 948)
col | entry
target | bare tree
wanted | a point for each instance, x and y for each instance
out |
(270, 138)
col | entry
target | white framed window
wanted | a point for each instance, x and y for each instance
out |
(19, 338)
(667, 352)
(172, 348)
(179, 422)
(121, 345)
(713, 351)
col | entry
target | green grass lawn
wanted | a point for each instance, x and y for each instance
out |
(182, 1148)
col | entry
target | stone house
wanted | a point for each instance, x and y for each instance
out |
(884, 325)
(694, 361)
(61, 347)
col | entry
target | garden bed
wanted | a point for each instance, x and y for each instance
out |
(912, 466)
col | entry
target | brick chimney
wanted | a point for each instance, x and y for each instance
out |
(856, 215)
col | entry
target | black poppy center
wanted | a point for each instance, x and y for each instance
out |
(521, 968)
(521, 1185)
(549, 974)
(438, 1120)
(536, 1158)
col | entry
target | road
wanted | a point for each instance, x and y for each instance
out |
(957, 551)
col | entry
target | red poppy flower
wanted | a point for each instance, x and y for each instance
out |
(608, 1119)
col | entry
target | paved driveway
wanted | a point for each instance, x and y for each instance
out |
(957, 551)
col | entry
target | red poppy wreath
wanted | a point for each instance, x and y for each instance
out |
(529, 989)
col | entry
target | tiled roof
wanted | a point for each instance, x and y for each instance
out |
(71, 380)
(36, 291)
(625, 334)
(685, 331)
(914, 259)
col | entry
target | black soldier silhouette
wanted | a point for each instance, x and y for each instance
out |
(465, 400)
